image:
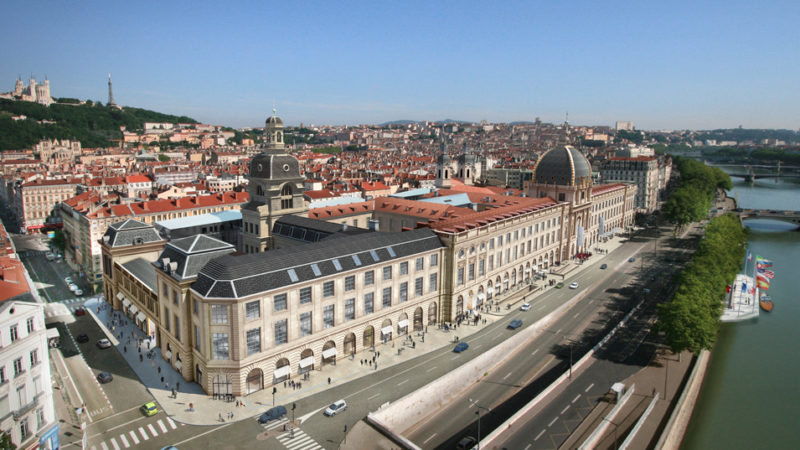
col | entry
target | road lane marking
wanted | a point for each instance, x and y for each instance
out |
(475, 347)
(143, 433)
(499, 335)
(538, 436)
(133, 436)
(152, 429)
(426, 440)
(576, 398)
(430, 369)
(403, 382)
(576, 315)
(454, 358)
(114, 443)
(376, 395)
(535, 352)
(509, 374)
(103, 445)
(589, 387)
(124, 440)
(565, 409)
(171, 423)
(161, 425)
(552, 422)
(559, 331)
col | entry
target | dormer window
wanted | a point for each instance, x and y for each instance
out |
(287, 201)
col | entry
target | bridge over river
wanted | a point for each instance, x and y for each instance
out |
(792, 217)
(751, 172)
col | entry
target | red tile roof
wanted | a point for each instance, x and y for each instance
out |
(474, 220)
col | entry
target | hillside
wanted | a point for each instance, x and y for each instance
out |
(95, 125)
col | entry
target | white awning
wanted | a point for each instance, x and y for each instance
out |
(126, 303)
(119, 295)
(178, 364)
(307, 361)
(490, 290)
(281, 372)
(527, 270)
(386, 330)
(52, 333)
(328, 353)
(481, 296)
(141, 317)
(402, 324)
(134, 309)
(168, 354)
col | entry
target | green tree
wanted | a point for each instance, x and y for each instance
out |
(58, 240)
(5, 442)
(163, 158)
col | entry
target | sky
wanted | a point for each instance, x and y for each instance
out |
(663, 65)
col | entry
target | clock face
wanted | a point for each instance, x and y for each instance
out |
(260, 167)
(285, 167)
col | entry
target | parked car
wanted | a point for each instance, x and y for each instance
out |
(50, 256)
(72, 287)
(78, 292)
(573, 285)
(335, 408)
(525, 307)
(104, 343)
(466, 443)
(460, 347)
(83, 338)
(68, 280)
(273, 413)
(631, 259)
(104, 377)
(149, 409)
(559, 285)
(514, 324)
(604, 266)
(80, 312)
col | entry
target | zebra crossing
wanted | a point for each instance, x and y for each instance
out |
(135, 437)
(300, 441)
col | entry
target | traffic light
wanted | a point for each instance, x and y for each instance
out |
(294, 405)
(274, 390)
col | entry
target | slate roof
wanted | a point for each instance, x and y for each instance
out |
(310, 230)
(244, 275)
(190, 254)
(130, 232)
(563, 165)
(144, 271)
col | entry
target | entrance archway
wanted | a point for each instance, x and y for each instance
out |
(418, 319)
(282, 370)
(386, 330)
(460, 305)
(432, 313)
(350, 344)
(306, 361)
(255, 381)
(221, 385)
(369, 336)
(329, 353)
(402, 324)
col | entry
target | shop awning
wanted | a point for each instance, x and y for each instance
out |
(134, 309)
(527, 270)
(481, 296)
(119, 295)
(126, 303)
(283, 371)
(168, 354)
(178, 364)
(490, 290)
(329, 353)
(402, 324)
(307, 361)
(386, 330)
(141, 317)
(52, 333)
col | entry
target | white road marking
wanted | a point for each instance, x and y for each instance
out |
(426, 440)
(475, 347)
(534, 352)
(499, 335)
(589, 387)
(565, 409)
(103, 445)
(552, 422)
(576, 315)
(430, 369)
(152, 429)
(114, 443)
(376, 395)
(538, 436)
(559, 331)
(143, 433)
(133, 436)
(527, 446)
(576, 398)
(509, 374)
(161, 425)
(454, 358)
(124, 440)
(403, 382)
(171, 423)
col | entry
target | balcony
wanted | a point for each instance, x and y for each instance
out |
(26, 409)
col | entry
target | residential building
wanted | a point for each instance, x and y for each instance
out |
(643, 171)
(36, 200)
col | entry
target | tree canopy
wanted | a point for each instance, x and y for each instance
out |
(691, 201)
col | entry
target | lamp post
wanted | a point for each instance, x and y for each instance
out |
(478, 412)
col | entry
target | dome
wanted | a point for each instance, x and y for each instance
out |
(274, 166)
(273, 121)
(564, 166)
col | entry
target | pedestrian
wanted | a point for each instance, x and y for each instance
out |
(162, 379)
(329, 380)
(159, 369)
(220, 418)
(178, 385)
(124, 349)
(141, 358)
(284, 385)
(174, 394)
(191, 407)
(231, 415)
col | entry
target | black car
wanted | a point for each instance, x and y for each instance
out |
(272, 414)
(514, 324)
(83, 338)
(466, 443)
(104, 377)
(604, 266)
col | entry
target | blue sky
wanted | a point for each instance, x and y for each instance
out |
(663, 65)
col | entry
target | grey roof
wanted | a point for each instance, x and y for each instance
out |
(144, 271)
(244, 275)
(310, 230)
(130, 232)
(275, 165)
(274, 120)
(183, 258)
(564, 165)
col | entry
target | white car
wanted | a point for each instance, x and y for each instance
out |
(335, 408)
(73, 287)
(573, 285)
(68, 280)
(78, 292)
(525, 307)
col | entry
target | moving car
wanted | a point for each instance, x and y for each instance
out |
(631, 259)
(50, 256)
(466, 443)
(80, 312)
(104, 377)
(149, 409)
(335, 408)
(68, 280)
(78, 292)
(514, 324)
(460, 347)
(104, 343)
(83, 338)
(525, 307)
(73, 287)
(573, 285)
(559, 285)
(604, 266)
(274, 413)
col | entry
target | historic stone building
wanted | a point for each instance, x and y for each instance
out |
(33, 92)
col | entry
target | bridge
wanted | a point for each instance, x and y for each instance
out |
(792, 217)
(755, 171)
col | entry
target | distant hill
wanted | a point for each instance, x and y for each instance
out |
(748, 134)
(93, 124)
(398, 122)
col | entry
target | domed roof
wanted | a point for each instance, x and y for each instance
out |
(274, 166)
(564, 165)
(274, 120)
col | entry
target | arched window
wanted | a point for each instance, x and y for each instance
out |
(286, 197)
(259, 190)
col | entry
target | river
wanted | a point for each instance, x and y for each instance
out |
(750, 397)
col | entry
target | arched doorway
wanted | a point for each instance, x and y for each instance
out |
(329, 353)
(369, 336)
(470, 300)
(432, 313)
(460, 305)
(513, 278)
(221, 385)
(282, 371)
(255, 381)
(498, 285)
(350, 344)
(505, 282)
(402, 324)
(386, 330)
(489, 290)
(528, 272)
(418, 319)
(481, 296)
(306, 361)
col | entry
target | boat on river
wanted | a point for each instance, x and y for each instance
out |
(766, 303)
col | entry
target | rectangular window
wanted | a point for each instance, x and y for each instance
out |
(420, 263)
(13, 332)
(197, 337)
(3, 378)
(305, 295)
(481, 267)
(315, 269)
(404, 268)
(356, 260)
(471, 273)
(403, 291)
(195, 306)
(252, 310)
(460, 279)
(24, 430)
(327, 289)
(177, 327)
(219, 314)
(253, 341)
(30, 325)
(387, 273)
(418, 286)
(174, 297)
(434, 260)
(391, 252)
(491, 262)
(220, 345)
(328, 316)
(292, 275)
(369, 278)
(279, 302)
(369, 303)
(337, 265)
(387, 297)
(350, 309)
(281, 336)
(166, 318)
(491, 244)
(40, 418)
(432, 283)
(305, 324)
(499, 241)
(374, 255)
(350, 283)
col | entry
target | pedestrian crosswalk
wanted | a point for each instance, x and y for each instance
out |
(133, 438)
(300, 441)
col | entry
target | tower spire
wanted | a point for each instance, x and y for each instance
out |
(110, 92)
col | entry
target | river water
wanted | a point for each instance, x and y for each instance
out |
(751, 394)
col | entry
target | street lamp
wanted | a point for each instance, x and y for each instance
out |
(478, 412)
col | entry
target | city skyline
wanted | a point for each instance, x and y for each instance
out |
(676, 66)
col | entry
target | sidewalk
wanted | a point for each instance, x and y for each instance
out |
(132, 343)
